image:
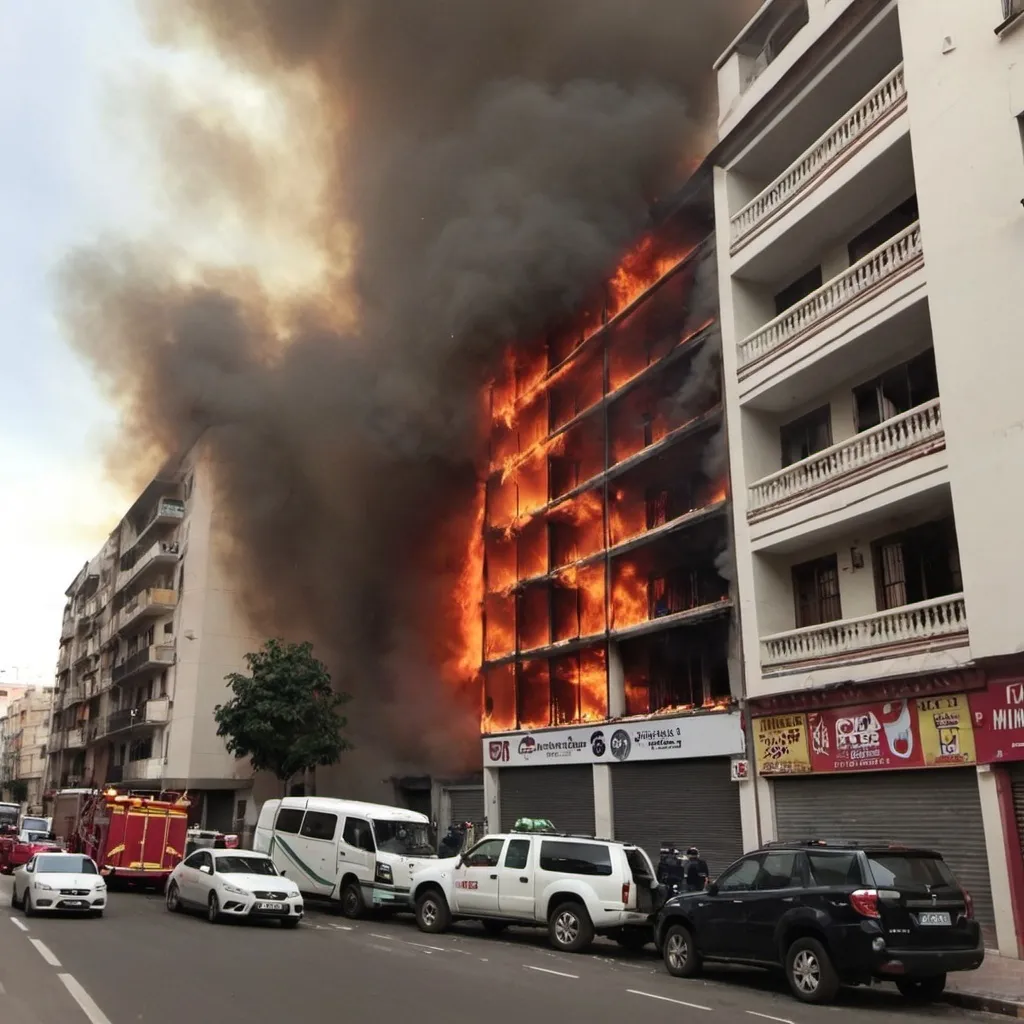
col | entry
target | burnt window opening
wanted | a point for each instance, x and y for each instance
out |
(897, 390)
(682, 668)
(917, 565)
(806, 435)
(799, 289)
(816, 592)
(684, 589)
(564, 475)
(896, 220)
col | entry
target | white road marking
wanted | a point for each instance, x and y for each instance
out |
(544, 970)
(386, 938)
(19, 924)
(665, 999)
(435, 949)
(92, 1012)
(383, 949)
(765, 1016)
(45, 952)
(3, 991)
(342, 927)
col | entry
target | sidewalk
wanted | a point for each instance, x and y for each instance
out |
(997, 986)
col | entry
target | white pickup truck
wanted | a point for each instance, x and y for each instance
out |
(576, 887)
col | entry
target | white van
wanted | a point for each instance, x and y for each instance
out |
(361, 854)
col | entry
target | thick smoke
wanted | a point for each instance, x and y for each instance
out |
(484, 165)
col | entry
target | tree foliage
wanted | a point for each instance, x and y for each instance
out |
(19, 791)
(284, 716)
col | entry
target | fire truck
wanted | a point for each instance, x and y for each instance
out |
(17, 848)
(135, 839)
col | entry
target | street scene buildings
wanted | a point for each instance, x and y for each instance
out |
(24, 736)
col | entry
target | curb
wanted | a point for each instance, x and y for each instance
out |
(988, 1004)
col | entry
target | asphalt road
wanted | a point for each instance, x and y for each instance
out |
(142, 964)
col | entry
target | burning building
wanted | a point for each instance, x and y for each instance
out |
(608, 682)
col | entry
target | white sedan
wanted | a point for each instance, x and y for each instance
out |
(59, 881)
(234, 883)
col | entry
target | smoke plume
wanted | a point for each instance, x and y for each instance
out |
(479, 168)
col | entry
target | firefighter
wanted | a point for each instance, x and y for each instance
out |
(671, 870)
(696, 870)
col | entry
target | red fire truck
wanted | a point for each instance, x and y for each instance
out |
(135, 839)
(17, 848)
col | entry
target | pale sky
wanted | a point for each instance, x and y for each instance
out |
(66, 176)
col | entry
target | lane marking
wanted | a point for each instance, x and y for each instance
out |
(386, 938)
(766, 1016)
(435, 949)
(45, 952)
(85, 1002)
(665, 999)
(19, 924)
(3, 991)
(545, 970)
(383, 949)
(342, 927)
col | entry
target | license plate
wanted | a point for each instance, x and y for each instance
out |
(278, 908)
(934, 918)
(74, 903)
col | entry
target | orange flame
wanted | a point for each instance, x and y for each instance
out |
(630, 604)
(641, 268)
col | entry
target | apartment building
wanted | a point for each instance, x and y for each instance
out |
(24, 735)
(151, 628)
(869, 179)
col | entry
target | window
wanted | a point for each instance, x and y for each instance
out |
(518, 854)
(288, 820)
(897, 871)
(359, 834)
(898, 390)
(816, 592)
(917, 565)
(782, 870)
(64, 865)
(799, 289)
(485, 854)
(741, 877)
(198, 859)
(883, 229)
(575, 858)
(830, 869)
(245, 865)
(318, 825)
(804, 436)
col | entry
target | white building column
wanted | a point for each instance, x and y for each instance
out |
(748, 814)
(604, 808)
(766, 808)
(492, 800)
(998, 869)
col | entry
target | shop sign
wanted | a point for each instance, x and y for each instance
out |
(998, 718)
(662, 739)
(946, 730)
(781, 742)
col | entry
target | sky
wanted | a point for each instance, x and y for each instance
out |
(69, 173)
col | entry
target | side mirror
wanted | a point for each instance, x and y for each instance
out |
(284, 874)
(205, 868)
(711, 888)
(461, 862)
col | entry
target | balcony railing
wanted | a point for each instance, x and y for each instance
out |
(74, 694)
(152, 601)
(75, 739)
(920, 427)
(834, 298)
(150, 712)
(911, 625)
(150, 768)
(131, 565)
(148, 657)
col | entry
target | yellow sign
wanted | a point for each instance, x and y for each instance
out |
(947, 732)
(781, 742)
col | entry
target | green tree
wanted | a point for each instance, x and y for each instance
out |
(19, 791)
(284, 716)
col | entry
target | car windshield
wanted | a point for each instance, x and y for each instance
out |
(35, 825)
(8, 815)
(895, 871)
(408, 838)
(65, 866)
(245, 866)
(37, 837)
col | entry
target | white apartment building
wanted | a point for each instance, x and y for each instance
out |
(151, 628)
(869, 181)
(24, 734)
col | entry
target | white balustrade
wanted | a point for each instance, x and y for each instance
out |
(888, 259)
(886, 97)
(909, 624)
(900, 434)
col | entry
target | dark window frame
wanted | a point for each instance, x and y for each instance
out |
(811, 432)
(826, 605)
(466, 857)
(722, 882)
(905, 564)
(281, 811)
(313, 815)
(912, 383)
(352, 824)
(517, 844)
(563, 857)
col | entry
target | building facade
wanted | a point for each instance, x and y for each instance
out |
(151, 628)
(24, 737)
(869, 178)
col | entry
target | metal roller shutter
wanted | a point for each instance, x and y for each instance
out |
(563, 794)
(691, 803)
(467, 805)
(1016, 772)
(940, 809)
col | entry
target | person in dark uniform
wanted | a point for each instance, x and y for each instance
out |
(696, 870)
(671, 869)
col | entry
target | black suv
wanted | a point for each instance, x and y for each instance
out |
(829, 913)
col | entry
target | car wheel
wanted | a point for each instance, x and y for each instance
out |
(810, 973)
(15, 902)
(213, 909)
(922, 990)
(97, 913)
(570, 928)
(27, 905)
(432, 913)
(495, 927)
(679, 952)
(173, 898)
(352, 903)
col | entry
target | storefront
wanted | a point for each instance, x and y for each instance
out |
(898, 771)
(564, 794)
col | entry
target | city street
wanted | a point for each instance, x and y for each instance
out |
(140, 963)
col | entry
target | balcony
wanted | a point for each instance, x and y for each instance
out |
(64, 659)
(167, 511)
(881, 268)
(151, 768)
(74, 739)
(881, 106)
(74, 694)
(940, 622)
(141, 661)
(151, 712)
(155, 601)
(910, 435)
(160, 553)
(67, 628)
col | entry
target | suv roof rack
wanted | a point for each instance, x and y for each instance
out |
(830, 843)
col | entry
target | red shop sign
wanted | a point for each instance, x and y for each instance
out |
(998, 716)
(870, 737)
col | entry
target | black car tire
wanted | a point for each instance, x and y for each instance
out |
(922, 990)
(494, 927)
(173, 898)
(679, 952)
(15, 902)
(97, 913)
(432, 913)
(26, 905)
(353, 906)
(634, 938)
(213, 909)
(570, 928)
(810, 973)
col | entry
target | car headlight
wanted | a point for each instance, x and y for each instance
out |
(97, 886)
(44, 886)
(235, 891)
